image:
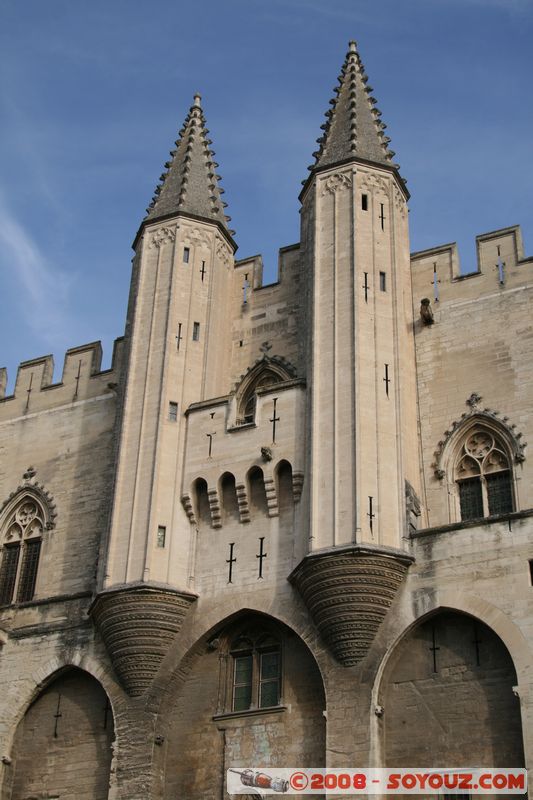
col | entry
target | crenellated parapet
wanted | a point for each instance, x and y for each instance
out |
(501, 265)
(82, 379)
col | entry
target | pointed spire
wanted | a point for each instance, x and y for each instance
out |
(353, 128)
(190, 183)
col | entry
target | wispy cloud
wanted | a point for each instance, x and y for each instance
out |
(44, 289)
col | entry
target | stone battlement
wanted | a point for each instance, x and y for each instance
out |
(82, 378)
(501, 264)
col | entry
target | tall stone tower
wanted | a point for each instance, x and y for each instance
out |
(361, 368)
(177, 335)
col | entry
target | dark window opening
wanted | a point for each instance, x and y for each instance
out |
(28, 572)
(196, 331)
(500, 493)
(471, 498)
(383, 281)
(161, 536)
(186, 255)
(8, 572)
(364, 202)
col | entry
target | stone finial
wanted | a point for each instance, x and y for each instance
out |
(474, 400)
(197, 100)
(426, 311)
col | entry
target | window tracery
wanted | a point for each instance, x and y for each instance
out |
(248, 400)
(20, 543)
(483, 475)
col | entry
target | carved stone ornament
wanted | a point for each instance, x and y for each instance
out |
(223, 251)
(162, 236)
(488, 418)
(336, 183)
(138, 625)
(266, 453)
(426, 312)
(30, 487)
(348, 591)
(369, 180)
(399, 202)
(196, 236)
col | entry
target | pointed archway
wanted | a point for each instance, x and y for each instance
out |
(62, 746)
(449, 697)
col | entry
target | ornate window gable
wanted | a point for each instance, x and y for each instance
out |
(267, 371)
(477, 459)
(24, 517)
(487, 418)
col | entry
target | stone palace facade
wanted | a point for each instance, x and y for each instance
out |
(292, 525)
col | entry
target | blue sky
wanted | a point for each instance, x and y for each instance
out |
(92, 94)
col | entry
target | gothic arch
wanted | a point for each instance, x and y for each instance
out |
(478, 459)
(202, 686)
(487, 418)
(476, 607)
(266, 371)
(452, 668)
(62, 737)
(25, 518)
(36, 492)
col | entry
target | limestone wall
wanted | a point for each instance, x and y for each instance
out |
(481, 342)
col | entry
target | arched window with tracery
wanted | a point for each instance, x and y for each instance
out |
(483, 474)
(248, 400)
(266, 372)
(21, 539)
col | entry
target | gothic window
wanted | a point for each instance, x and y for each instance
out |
(20, 550)
(256, 671)
(483, 475)
(249, 398)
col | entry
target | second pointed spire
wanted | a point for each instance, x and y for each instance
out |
(353, 128)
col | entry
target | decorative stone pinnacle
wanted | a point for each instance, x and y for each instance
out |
(30, 473)
(353, 129)
(197, 100)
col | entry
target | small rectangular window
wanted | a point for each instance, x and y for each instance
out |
(242, 682)
(364, 202)
(383, 281)
(196, 331)
(186, 255)
(530, 572)
(173, 411)
(161, 536)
